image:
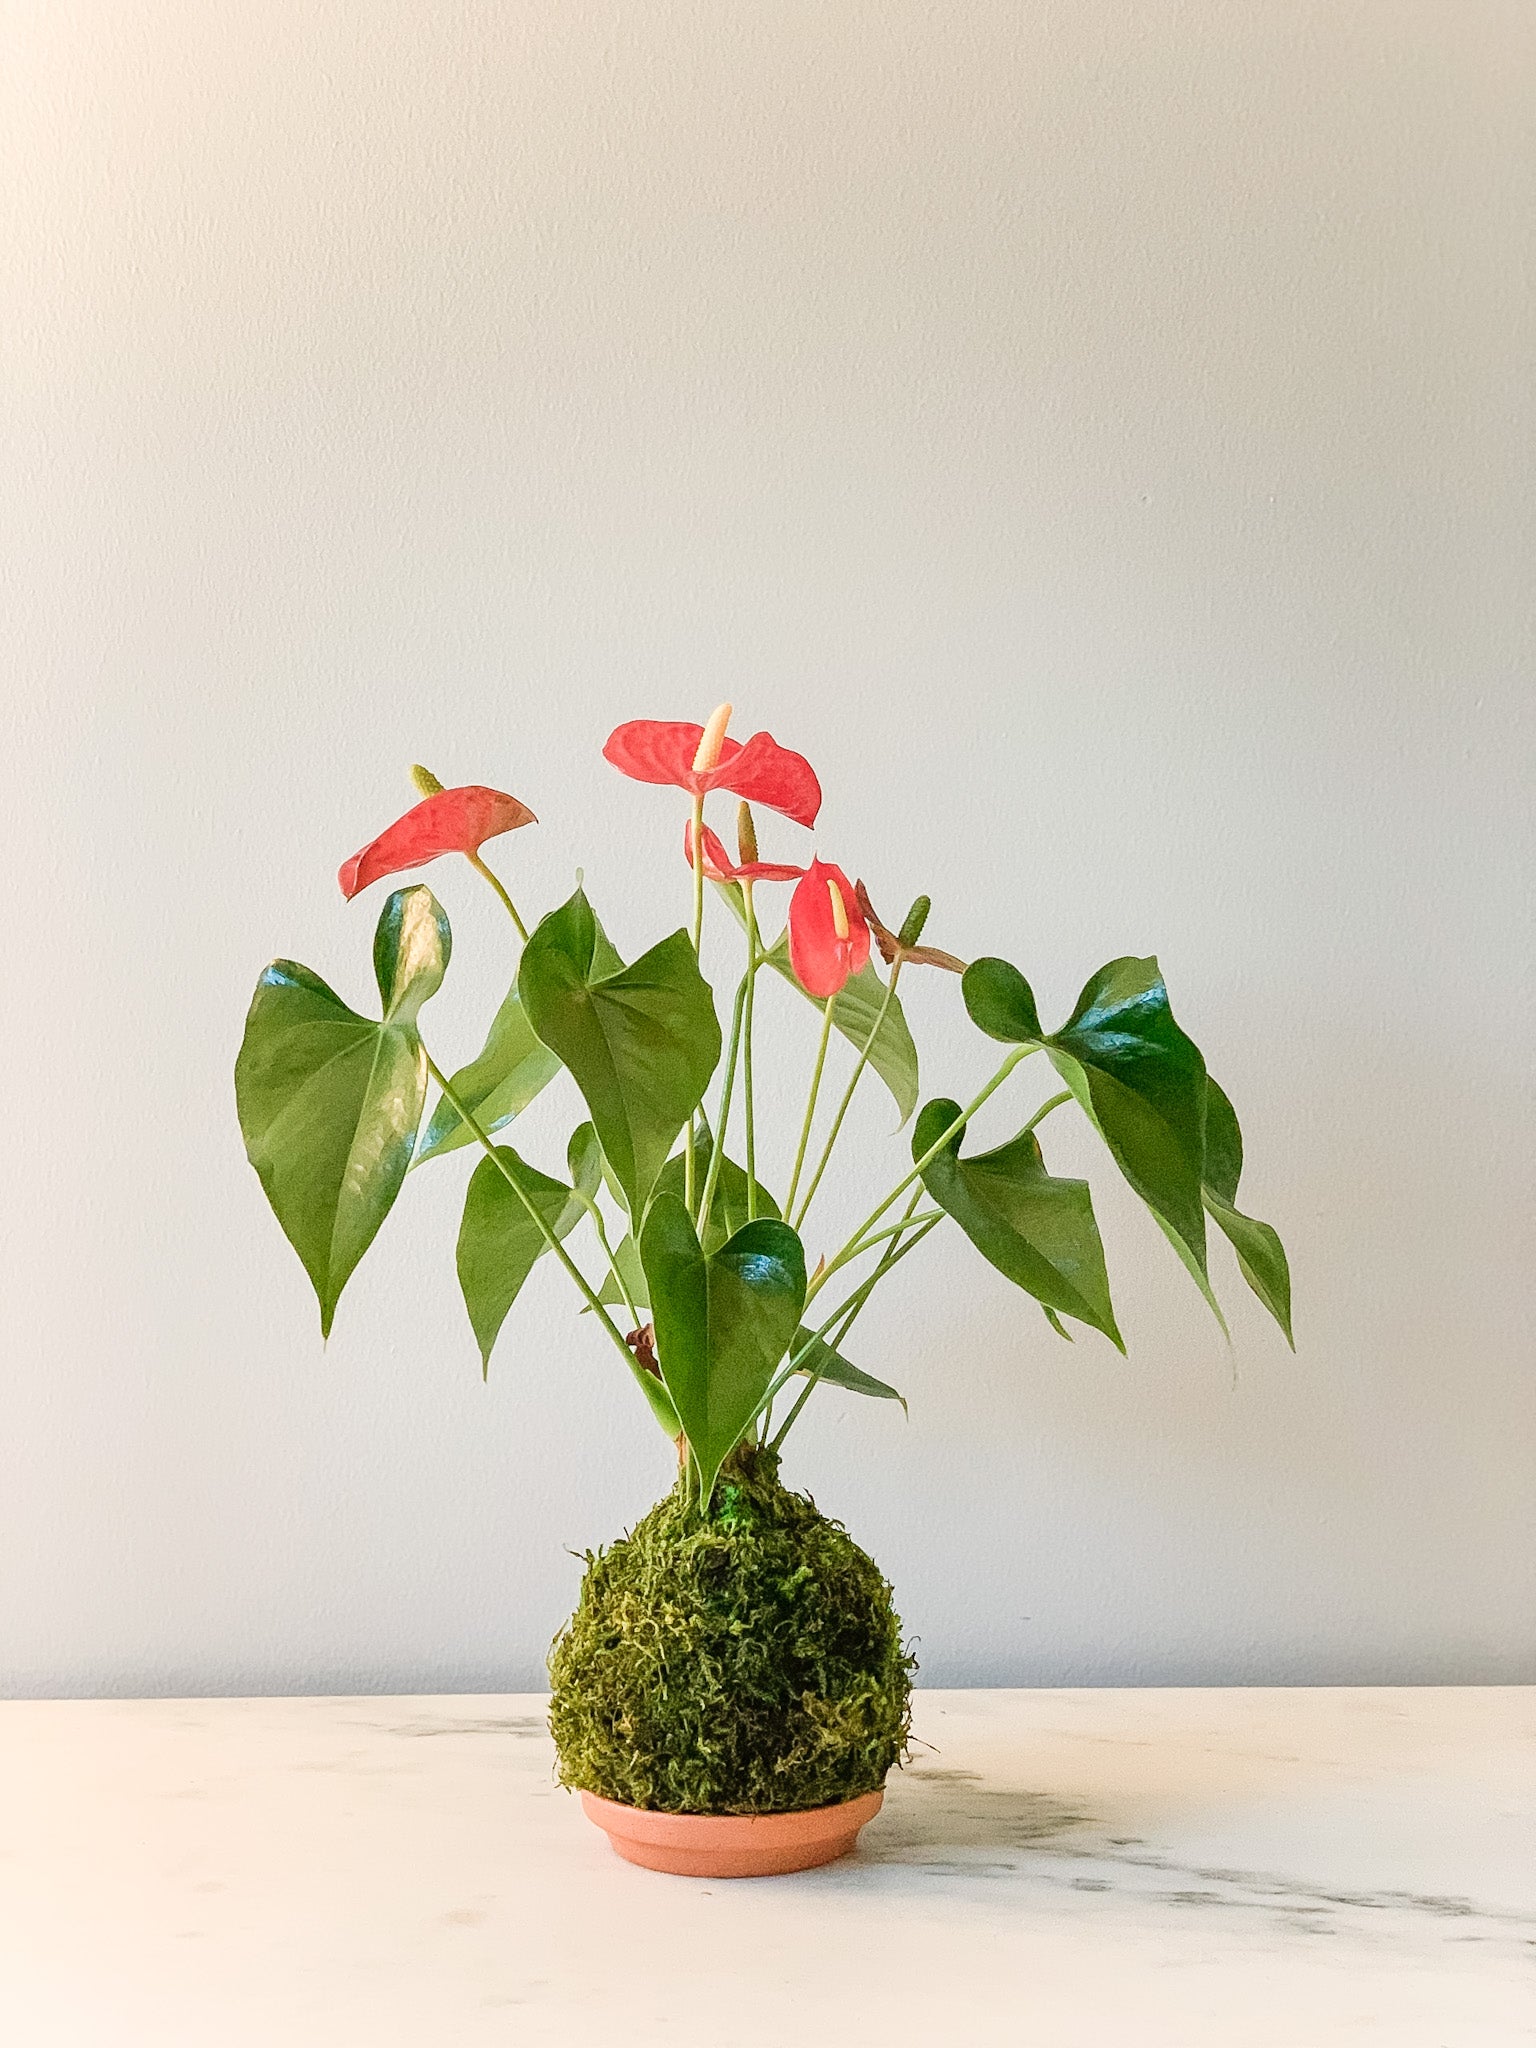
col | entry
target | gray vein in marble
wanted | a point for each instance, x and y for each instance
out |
(514, 1724)
(949, 1830)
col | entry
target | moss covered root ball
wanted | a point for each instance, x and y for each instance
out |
(745, 1662)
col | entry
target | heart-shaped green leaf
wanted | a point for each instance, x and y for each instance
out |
(1140, 1079)
(893, 1055)
(812, 1350)
(1038, 1231)
(498, 1084)
(1260, 1254)
(728, 1206)
(727, 1213)
(831, 1369)
(640, 1042)
(500, 1243)
(330, 1102)
(724, 1321)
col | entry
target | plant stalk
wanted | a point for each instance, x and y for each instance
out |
(1045, 1109)
(1019, 1053)
(613, 1265)
(842, 1107)
(746, 1051)
(860, 1294)
(849, 1313)
(698, 935)
(893, 1230)
(810, 1104)
(723, 1118)
(698, 872)
(867, 1244)
(496, 883)
(544, 1230)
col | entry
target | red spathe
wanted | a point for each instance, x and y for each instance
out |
(452, 821)
(821, 958)
(662, 750)
(719, 866)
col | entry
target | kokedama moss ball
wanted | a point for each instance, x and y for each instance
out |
(749, 1661)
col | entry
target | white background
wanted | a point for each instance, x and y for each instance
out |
(1096, 433)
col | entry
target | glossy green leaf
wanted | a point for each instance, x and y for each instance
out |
(836, 1370)
(500, 1243)
(1038, 1231)
(1260, 1254)
(724, 1322)
(330, 1101)
(893, 1054)
(1138, 1077)
(1001, 1002)
(831, 1369)
(498, 1084)
(728, 1205)
(640, 1042)
(727, 1214)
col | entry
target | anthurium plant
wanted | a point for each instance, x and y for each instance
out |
(736, 1652)
(708, 1283)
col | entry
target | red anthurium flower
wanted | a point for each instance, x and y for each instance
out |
(700, 758)
(719, 866)
(452, 821)
(828, 938)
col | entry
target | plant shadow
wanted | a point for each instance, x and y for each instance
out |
(952, 1819)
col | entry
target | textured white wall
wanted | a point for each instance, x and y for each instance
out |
(1096, 433)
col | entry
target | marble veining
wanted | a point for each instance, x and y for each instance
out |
(1158, 1869)
(510, 1724)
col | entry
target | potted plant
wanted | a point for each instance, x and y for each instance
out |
(733, 1687)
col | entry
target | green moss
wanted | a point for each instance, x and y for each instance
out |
(747, 1662)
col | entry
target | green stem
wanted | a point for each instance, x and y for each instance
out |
(850, 1314)
(613, 1265)
(1045, 1109)
(842, 1107)
(545, 1232)
(496, 883)
(1020, 1053)
(810, 1104)
(893, 1230)
(870, 1239)
(859, 1295)
(698, 872)
(753, 956)
(698, 934)
(723, 1118)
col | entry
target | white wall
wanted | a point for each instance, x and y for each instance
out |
(1097, 433)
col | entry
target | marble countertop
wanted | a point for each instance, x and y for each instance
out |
(1110, 1869)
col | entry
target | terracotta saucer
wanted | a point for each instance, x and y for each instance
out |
(729, 1844)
